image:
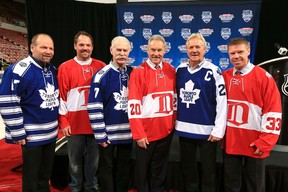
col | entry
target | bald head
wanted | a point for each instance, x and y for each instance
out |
(42, 47)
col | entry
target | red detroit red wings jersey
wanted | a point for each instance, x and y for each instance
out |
(151, 101)
(74, 84)
(254, 112)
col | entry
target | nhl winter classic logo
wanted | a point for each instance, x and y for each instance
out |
(147, 18)
(206, 16)
(186, 18)
(222, 48)
(182, 48)
(167, 47)
(247, 15)
(224, 63)
(245, 31)
(128, 17)
(166, 17)
(208, 46)
(166, 32)
(185, 33)
(130, 61)
(226, 18)
(206, 31)
(147, 33)
(184, 60)
(225, 33)
(128, 32)
(144, 48)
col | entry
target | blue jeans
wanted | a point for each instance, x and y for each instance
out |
(83, 153)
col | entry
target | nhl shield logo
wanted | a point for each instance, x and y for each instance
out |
(128, 17)
(147, 33)
(284, 86)
(206, 16)
(225, 33)
(247, 15)
(166, 17)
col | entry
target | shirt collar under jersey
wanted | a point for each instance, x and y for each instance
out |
(152, 65)
(245, 70)
(116, 67)
(197, 66)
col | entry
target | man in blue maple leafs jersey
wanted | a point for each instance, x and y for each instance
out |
(107, 108)
(29, 100)
(202, 112)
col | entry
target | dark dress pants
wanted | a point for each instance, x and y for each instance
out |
(242, 173)
(190, 166)
(114, 167)
(37, 167)
(151, 165)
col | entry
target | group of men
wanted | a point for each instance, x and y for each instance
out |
(103, 108)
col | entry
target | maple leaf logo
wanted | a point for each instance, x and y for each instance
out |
(189, 95)
(121, 99)
(49, 97)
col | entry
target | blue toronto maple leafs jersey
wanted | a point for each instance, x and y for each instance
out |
(107, 105)
(29, 100)
(202, 101)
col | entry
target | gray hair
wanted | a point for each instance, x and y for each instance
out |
(198, 36)
(115, 39)
(156, 37)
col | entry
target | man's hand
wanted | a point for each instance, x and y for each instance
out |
(213, 138)
(66, 131)
(143, 142)
(21, 142)
(105, 144)
(257, 151)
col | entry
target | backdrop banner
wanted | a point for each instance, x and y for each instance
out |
(217, 22)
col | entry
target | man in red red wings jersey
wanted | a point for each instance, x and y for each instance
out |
(74, 78)
(253, 122)
(151, 111)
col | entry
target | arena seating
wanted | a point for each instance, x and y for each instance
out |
(12, 12)
(13, 44)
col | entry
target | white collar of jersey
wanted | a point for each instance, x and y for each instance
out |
(88, 62)
(152, 65)
(31, 60)
(246, 69)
